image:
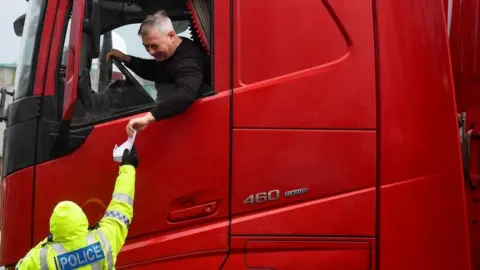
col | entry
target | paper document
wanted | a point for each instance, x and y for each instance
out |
(118, 150)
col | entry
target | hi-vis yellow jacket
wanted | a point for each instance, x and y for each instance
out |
(75, 247)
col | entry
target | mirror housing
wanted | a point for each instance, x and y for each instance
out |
(18, 25)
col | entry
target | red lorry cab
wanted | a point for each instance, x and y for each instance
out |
(328, 137)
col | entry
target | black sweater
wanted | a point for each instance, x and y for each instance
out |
(186, 69)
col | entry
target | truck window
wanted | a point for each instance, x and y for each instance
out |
(30, 40)
(104, 90)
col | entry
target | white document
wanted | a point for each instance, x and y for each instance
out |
(118, 150)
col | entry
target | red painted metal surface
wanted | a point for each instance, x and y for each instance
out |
(17, 189)
(182, 164)
(201, 260)
(73, 63)
(221, 40)
(283, 252)
(326, 83)
(330, 216)
(445, 6)
(465, 50)
(423, 224)
(16, 217)
(176, 246)
(271, 16)
(284, 160)
(465, 58)
(418, 118)
(307, 253)
(57, 42)
(422, 201)
(44, 48)
(300, 121)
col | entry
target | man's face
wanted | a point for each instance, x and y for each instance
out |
(159, 46)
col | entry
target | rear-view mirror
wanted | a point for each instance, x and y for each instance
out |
(18, 25)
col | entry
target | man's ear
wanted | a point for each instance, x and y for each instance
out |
(171, 34)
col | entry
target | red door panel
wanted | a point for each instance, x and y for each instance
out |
(352, 213)
(308, 254)
(202, 260)
(301, 253)
(183, 164)
(177, 246)
(16, 231)
(304, 64)
(325, 163)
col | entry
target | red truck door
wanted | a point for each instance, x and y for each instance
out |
(181, 200)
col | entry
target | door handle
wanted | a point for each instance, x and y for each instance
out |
(194, 212)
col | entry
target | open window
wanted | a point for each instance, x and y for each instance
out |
(109, 90)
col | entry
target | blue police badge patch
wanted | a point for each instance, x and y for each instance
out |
(81, 257)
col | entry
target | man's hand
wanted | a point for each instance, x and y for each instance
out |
(118, 54)
(139, 123)
(130, 157)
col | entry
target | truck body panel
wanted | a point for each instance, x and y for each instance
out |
(330, 136)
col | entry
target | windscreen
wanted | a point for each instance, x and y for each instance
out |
(25, 71)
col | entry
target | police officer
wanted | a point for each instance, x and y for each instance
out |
(72, 245)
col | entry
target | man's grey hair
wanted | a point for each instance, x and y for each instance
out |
(159, 21)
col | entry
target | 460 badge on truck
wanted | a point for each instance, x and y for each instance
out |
(272, 195)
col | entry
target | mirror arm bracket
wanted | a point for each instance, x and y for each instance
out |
(3, 96)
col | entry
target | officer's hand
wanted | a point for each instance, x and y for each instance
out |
(118, 54)
(130, 157)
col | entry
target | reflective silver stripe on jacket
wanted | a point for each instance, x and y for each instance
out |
(59, 249)
(123, 198)
(107, 248)
(91, 240)
(44, 251)
(43, 258)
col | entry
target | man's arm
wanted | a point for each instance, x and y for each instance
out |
(119, 214)
(145, 68)
(187, 79)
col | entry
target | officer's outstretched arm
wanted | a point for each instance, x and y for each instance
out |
(119, 213)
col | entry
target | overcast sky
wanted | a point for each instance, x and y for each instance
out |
(9, 44)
